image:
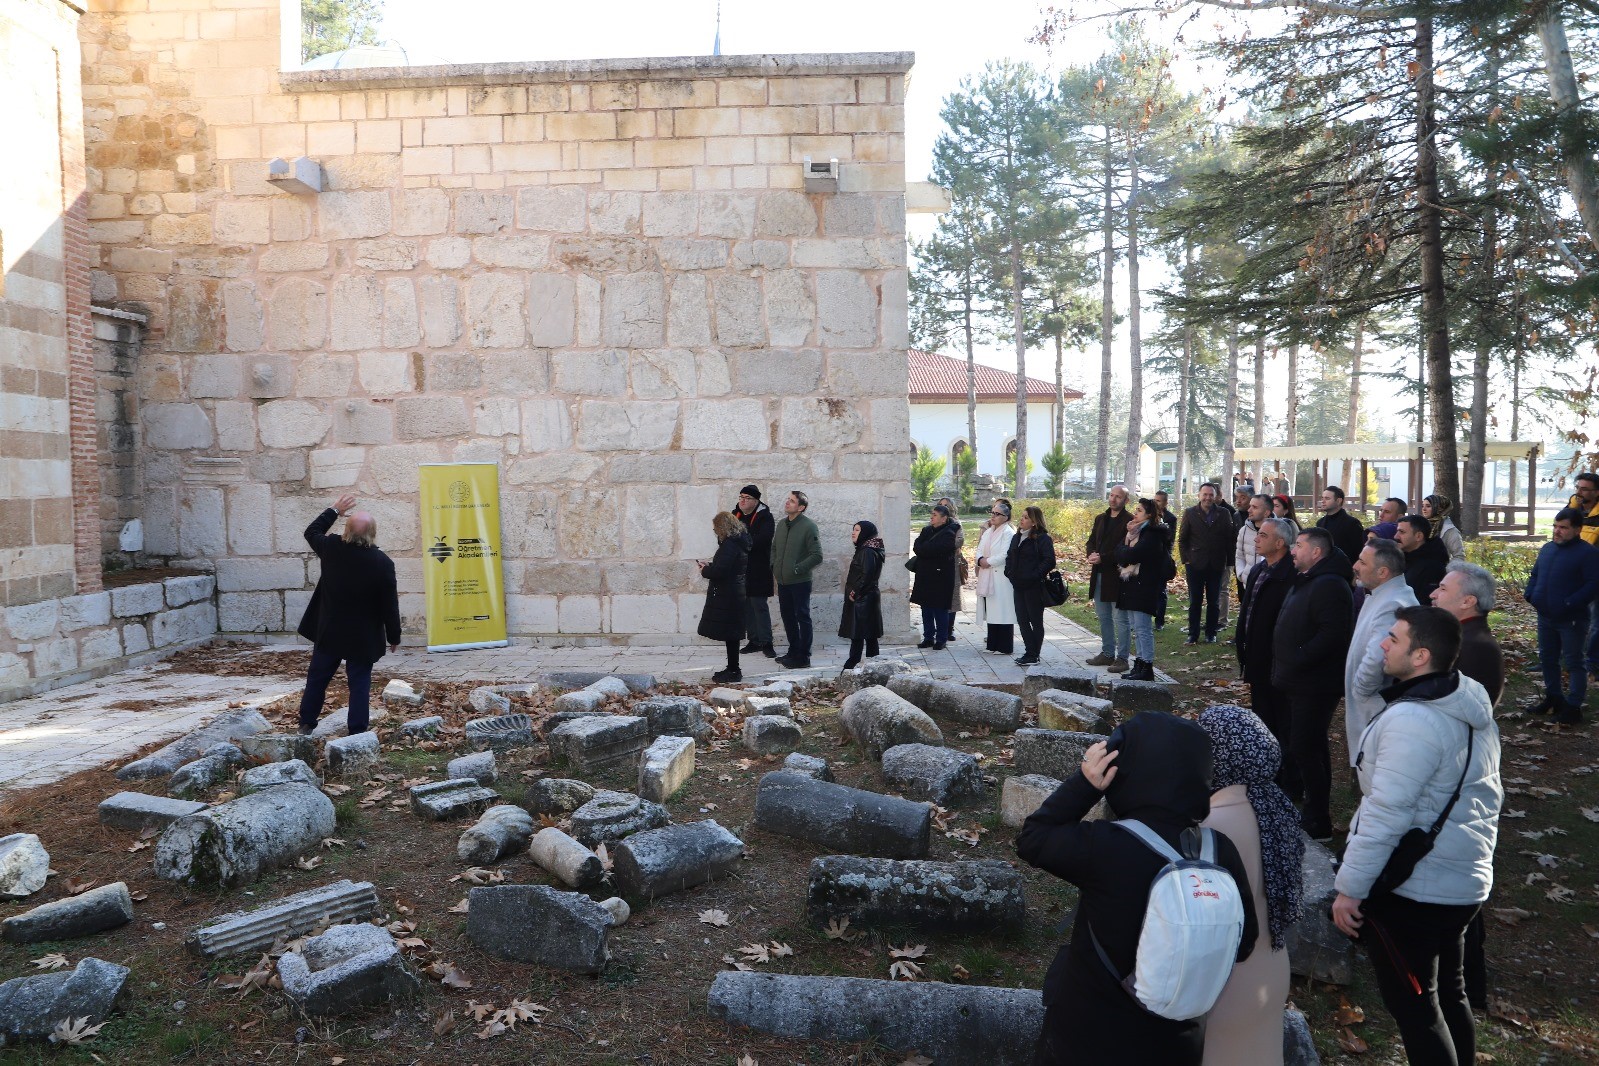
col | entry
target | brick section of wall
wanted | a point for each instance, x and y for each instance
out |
(82, 388)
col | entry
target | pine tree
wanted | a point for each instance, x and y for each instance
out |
(331, 25)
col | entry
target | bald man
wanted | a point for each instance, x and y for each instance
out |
(356, 606)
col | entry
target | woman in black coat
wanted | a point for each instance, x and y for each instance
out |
(1155, 768)
(1031, 557)
(723, 617)
(863, 608)
(1142, 559)
(935, 550)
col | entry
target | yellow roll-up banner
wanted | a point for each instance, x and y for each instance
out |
(461, 555)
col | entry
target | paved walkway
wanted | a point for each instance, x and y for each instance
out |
(50, 736)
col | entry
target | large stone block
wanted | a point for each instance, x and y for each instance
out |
(1050, 752)
(635, 310)
(176, 426)
(95, 911)
(345, 969)
(557, 208)
(878, 719)
(1316, 947)
(949, 897)
(246, 932)
(136, 810)
(846, 309)
(494, 310)
(611, 816)
(292, 423)
(233, 725)
(502, 830)
(675, 858)
(600, 740)
(842, 819)
(24, 865)
(234, 843)
(936, 774)
(297, 319)
(818, 424)
(538, 924)
(665, 767)
(32, 1007)
(440, 801)
(771, 734)
(1069, 711)
(1140, 695)
(34, 621)
(739, 312)
(963, 703)
(343, 215)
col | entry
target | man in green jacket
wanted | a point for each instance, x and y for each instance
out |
(796, 552)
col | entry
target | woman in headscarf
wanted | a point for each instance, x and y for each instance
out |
(1246, 1024)
(1030, 559)
(1155, 768)
(723, 616)
(1436, 510)
(933, 556)
(862, 623)
(996, 600)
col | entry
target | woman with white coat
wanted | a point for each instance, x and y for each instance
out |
(996, 601)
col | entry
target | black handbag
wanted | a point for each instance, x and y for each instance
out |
(1417, 842)
(1055, 592)
(910, 563)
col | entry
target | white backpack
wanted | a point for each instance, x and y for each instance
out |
(1193, 923)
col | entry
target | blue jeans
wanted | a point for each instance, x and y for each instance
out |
(1142, 625)
(937, 625)
(1204, 588)
(794, 604)
(1113, 623)
(1560, 644)
(323, 666)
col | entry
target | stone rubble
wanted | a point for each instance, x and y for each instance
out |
(1040, 679)
(949, 897)
(1023, 794)
(601, 740)
(664, 767)
(95, 911)
(961, 703)
(31, 1007)
(1299, 1047)
(401, 693)
(345, 969)
(610, 816)
(504, 731)
(842, 819)
(229, 726)
(479, 766)
(771, 734)
(938, 775)
(211, 769)
(538, 924)
(556, 795)
(1316, 947)
(592, 697)
(234, 843)
(486, 701)
(878, 719)
(139, 811)
(681, 716)
(783, 690)
(576, 679)
(247, 932)
(501, 830)
(1140, 695)
(24, 865)
(442, 801)
(659, 862)
(809, 765)
(1071, 712)
(422, 727)
(337, 724)
(727, 699)
(273, 774)
(352, 757)
(1050, 752)
(874, 672)
(279, 747)
(767, 705)
(565, 859)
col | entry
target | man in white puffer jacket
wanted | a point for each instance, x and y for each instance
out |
(1411, 758)
(1380, 569)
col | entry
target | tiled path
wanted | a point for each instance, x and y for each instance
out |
(47, 737)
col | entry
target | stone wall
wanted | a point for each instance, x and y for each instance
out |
(43, 131)
(604, 276)
(117, 339)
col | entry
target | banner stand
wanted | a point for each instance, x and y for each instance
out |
(460, 505)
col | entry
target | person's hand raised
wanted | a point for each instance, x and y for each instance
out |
(1097, 766)
(344, 503)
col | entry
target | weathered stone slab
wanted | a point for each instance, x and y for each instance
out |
(539, 924)
(767, 705)
(442, 801)
(486, 701)
(479, 766)
(401, 693)
(556, 795)
(610, 816)
(502, 830)
(842, 819)
(556, 721)
(422, 727)
(659, 862)
(951, 897)
(353, 756)
(247, 932)
(875, 672)
(949, 1023)
(1316, 947)
(94, 911)
(729, 699)
(602, 740)
(1050, 752)
(1299, 1047)
(960, 703)
(938, 775)
(235, 842)
(592, 697)
(665, 767)
(809, 765)
(337, 724)
(24, 865)
(206, 772)
(574, 679)
(681, 716)
(878, 719)
(347, 968)
(31, 1007)
(1071, 712)
(135, 810)
(273, 774)
(1041, 678)
(565, 859)
(1023, 794)
(279, 747)
(1140, 695)
(232, 725)
(783, 690)
(771, 734)
(504, 731)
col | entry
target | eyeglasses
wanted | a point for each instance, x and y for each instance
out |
(1001, 514)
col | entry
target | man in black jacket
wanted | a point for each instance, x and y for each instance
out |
(356, 606)
(1348, 535)
(1426, 558)
(760, 525)
(1169, 520)
(1105, 583)
(1205, 546)
(1308, 653)
(1258, 607)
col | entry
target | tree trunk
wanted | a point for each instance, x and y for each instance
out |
(1421, 378)
(1469, 514)
(1260, 408)
(1515, 401)
(1107, 323)
(1354, 404)
(1434, 306)
(1576, 157)
(1135, 380)
(1184, 372)
(1230, 423)
(1018, 326)
(1291, 434)
(1060, 410)
(971, 389)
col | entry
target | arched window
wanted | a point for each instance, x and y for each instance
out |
(956, 450)
(915, 449)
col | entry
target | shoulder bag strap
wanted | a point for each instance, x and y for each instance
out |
(1150, 838)
(1443, 815)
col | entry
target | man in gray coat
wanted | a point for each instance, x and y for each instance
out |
(1380, 569)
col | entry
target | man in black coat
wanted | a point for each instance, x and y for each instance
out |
(1105, 583)
(760, 525)
(1426, 558)
(1205, 546)
(1348, 535)
(354, 611)
(1308, 652)
(1265, 588)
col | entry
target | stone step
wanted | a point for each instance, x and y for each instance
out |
(247, 932)
(136, 810)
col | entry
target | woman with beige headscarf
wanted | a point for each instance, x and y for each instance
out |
(1436, 509)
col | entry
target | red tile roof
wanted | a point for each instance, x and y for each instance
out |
(937, 377)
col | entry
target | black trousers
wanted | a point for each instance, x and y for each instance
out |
(323, 666)
(1030, 619)
(1001, 638)
(1204, 592)
(1418, 951)
(732, 655)
(1310, 715)
(1270, 705)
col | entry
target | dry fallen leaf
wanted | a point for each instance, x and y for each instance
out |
(1351, 1042)
(491, 1030)
(53, 961)
(479, 1011)
(332, 842)
(780, 951)
(960, 973)
(74, 1031)
(907, 952)
(399, 928)
(521, 1010)
(138, 845)
(1348, 1014)
(444, 1024)
(1510, 915)
(308, 862)
(917, 1060)
(747, 1060)
(461, 907)
(335, 789)
(1591, 813)
(604, 856)
(75, 887)
(838, 929)
(479, 876)
(1560, 894)
(257, 977)
(454, 978)
(714, 917)
(755, 953)
(905, 970)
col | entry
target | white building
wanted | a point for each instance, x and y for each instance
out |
(938, 412)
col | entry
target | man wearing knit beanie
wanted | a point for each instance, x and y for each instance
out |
(758, 521)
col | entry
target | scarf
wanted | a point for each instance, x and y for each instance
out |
(1440, 511)
(1133, 529)
(1245, 753)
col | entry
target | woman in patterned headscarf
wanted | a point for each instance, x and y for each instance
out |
(1246, 1025)
(1436, 509)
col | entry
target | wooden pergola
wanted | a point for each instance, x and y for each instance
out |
(1502, 517)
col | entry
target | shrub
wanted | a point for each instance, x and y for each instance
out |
(1510, 562)
(926, 469)
(965, 467)
(1069, 522)
(1010, 475)
(1056, 463)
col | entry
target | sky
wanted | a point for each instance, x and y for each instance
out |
(951, 40)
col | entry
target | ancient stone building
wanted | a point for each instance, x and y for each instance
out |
(606, 276)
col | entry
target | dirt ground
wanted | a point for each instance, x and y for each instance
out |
(649, 1006)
